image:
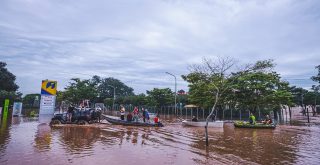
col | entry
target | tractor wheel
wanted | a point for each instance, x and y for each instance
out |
(82, 122)
(55, 122)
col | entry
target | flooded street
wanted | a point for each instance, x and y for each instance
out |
(25, 141)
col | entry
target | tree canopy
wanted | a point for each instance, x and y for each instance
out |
(96, 89)
(255, 86)
(8, 87)
(160, 97)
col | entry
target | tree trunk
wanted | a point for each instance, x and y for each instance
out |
(290, 112)
(209, 116)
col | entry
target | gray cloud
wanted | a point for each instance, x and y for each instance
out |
(138, 41)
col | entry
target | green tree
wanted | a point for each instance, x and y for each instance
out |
(183, 99)
(298, 94)
(31, 100)
(316, 88)
(260, 87)
(79, 90)
(208, 83)
(8, 87)
(105, 88)
(160, 97)
(317, 77)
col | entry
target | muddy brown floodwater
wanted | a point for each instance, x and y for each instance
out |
(27, 142)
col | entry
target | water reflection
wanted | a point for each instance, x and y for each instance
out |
(78, 139)
(173, 144)
(4, 138)
(43, 137)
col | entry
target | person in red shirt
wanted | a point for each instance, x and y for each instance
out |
(136, 114)
(156, 119)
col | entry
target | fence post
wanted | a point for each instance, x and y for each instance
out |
(240, 113)
(197, 113)
(231, 113)
(223, 114)
(202, 113)
(186, 113)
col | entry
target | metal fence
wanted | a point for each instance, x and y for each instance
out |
(201, 113)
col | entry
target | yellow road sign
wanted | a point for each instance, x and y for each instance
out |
(49, 87)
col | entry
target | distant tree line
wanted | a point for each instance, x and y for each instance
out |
(101, 90)
(220, 83)
(254, 86)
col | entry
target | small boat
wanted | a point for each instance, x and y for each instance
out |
(118, 121)
(241, 124)
(214, 124)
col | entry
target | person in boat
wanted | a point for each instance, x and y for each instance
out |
(70, 112)
(129, 117)
(147, 117)
(122, 112)
(136, 114)
(156, 119)
(144, 115)
(252, 119)
(194, 119)
(267, 120)
(213, 117)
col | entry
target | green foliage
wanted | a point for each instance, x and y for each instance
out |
(160, 97)
(260, 89)
(183, 99)
(298, 94)
(105, 89)
(79, 90)
(7, 79)
(199, 89)
(32, 114)
(257, 86)
(97, 89)
(317, 77)
(31, 100)
(8, 87)
(209, 82)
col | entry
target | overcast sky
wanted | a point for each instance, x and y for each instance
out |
(138, 41)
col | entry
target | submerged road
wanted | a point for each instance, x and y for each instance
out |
(27, 142)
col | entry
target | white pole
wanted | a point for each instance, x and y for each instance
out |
(114, 95)
(175, 92)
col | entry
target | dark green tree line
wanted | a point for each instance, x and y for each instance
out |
(8, 86)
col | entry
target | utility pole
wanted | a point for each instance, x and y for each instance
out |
(175, 92)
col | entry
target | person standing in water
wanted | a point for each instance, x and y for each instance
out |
(122, 112)
(144, 115)
(136, 114)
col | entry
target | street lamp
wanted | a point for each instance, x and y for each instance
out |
(114, 95)
(175, 92)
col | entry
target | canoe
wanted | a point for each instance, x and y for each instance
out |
(118, 121)
(215, 124)
(257, 125)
